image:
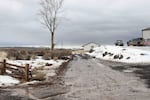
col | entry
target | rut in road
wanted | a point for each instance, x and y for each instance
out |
(90, 80)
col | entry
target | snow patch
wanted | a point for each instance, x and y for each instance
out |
(121, 54)
(49, 68)
(8, 81)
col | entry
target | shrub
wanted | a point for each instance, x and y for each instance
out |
(28, 53)
(55, 58)
(39, 76)
(62, 52)
(91, 51)
(33, 57)
(3, 54)
(34, 71)
(46, 57)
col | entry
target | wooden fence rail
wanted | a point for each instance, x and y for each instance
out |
(17, 71)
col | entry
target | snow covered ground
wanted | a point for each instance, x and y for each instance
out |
(48, 68)
(121, 54)
(37, 62)
(8, 81)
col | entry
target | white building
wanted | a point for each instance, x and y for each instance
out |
(89, 46)
(146, 33)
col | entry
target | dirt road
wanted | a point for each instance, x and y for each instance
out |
(89, 79)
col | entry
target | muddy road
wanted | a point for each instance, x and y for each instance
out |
(138, 70)
(92, 79)
(89, 79)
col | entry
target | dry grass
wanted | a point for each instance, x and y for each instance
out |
(47, 56)
(31, 53)
(3, 55)
(40, 76)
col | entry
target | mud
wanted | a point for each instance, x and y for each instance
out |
(144, 73)
(7, 95)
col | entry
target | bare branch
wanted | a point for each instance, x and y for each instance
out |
(49, 14)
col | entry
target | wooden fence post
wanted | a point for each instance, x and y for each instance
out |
(27, 72)
(4, 67)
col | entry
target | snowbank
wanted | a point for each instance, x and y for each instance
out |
(8, 81)
(121, 54)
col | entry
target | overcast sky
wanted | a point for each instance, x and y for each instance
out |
(101, 21)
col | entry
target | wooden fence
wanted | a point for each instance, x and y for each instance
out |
(16, 71)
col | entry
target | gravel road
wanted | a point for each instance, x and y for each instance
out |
(91, 80)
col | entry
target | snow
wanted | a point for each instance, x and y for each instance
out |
(128, 71)
(8, 81)
(30, 83)
(121, 54)
(39, 62)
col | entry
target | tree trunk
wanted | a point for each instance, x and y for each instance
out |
(52, 45)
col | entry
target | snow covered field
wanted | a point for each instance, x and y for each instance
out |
(47, 67)
(122, 54)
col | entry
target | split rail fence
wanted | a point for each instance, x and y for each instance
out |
(13, 70)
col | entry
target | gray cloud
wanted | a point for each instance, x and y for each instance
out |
(87, 20)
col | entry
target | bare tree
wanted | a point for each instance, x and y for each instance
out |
(49, 12)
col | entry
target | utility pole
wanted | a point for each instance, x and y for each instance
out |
(62, 44)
